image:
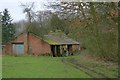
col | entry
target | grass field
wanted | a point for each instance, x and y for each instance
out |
(78, 66)
(38, 67)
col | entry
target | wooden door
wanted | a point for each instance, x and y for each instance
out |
(18, 49)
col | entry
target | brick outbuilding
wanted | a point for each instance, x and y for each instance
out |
(54, 44)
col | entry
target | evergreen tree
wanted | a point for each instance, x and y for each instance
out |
(8, 29)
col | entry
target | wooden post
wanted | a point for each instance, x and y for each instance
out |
(55, 51)
(60, 50)
(26, 43)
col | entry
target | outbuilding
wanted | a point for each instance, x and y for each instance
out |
(55, 44)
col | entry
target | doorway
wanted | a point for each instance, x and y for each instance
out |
(70, 48)
(18, 48)
(58, 50)
(55, 49)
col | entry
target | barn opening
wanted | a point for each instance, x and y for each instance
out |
(58, 50)
(55, 49)
(69, 48)
(18, 48)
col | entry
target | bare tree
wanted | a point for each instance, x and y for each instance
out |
(28, 9)
(42, 17)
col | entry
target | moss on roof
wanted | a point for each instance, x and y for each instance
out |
(50, 41)
(59, 38)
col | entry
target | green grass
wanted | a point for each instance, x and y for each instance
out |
(38, 67)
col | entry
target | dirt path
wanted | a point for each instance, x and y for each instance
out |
(92, 73)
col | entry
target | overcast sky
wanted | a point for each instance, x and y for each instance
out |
(16, 11)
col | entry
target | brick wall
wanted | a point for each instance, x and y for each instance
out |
(36, 45)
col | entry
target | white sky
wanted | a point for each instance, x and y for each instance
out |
(16, 11)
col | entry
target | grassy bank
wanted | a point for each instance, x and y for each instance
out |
(93, 67)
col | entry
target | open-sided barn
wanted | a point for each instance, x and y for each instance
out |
(55, 44)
